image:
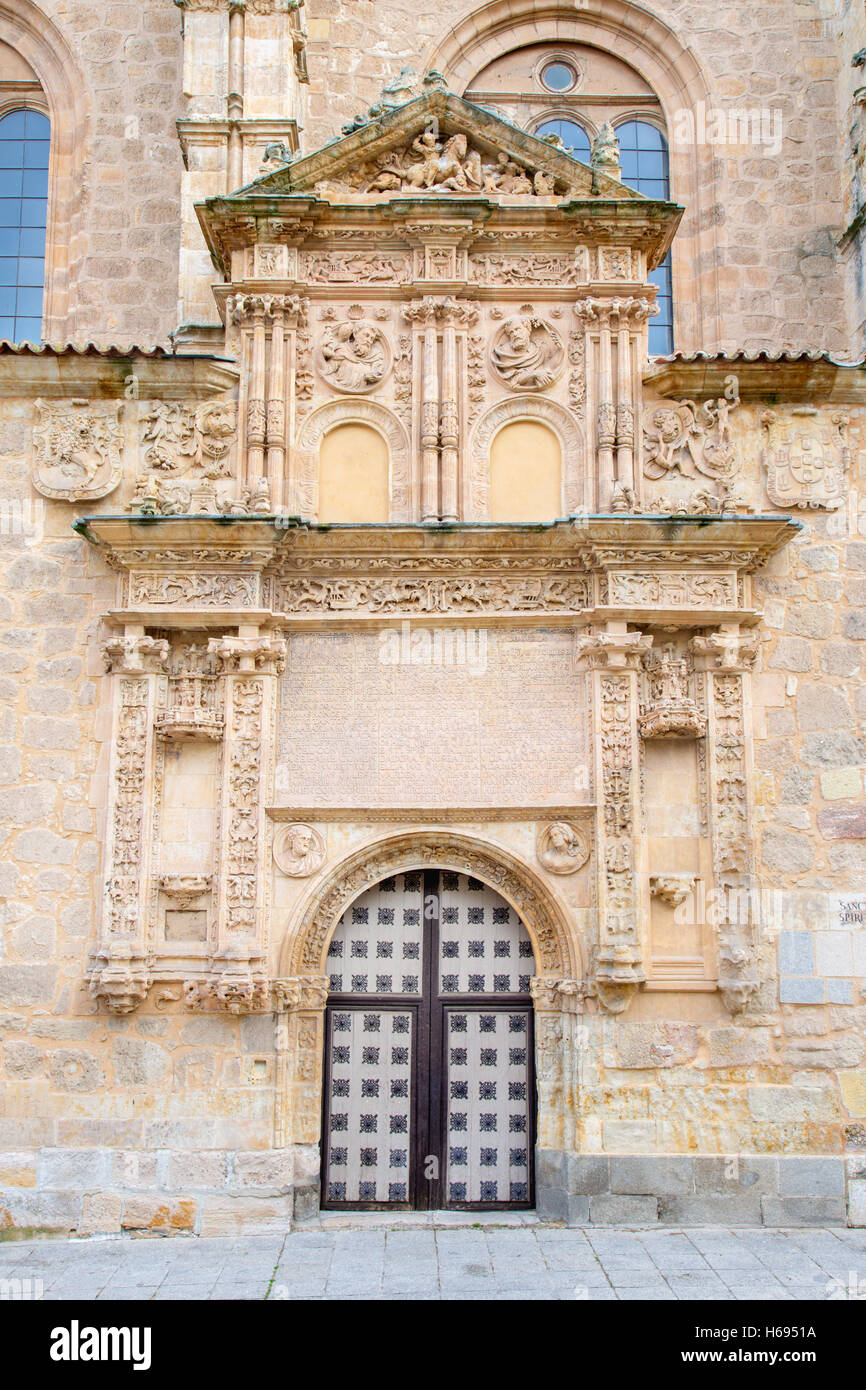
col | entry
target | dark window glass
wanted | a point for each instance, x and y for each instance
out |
(644, 156)
(558, 77)
(24, 145)
(572, 135)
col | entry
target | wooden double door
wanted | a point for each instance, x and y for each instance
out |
(429, 1096)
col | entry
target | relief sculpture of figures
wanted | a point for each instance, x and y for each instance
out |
(353, 355)
(527, 353)
(562, 848)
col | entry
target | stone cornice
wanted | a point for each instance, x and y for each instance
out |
(95, 373)
(811, 377)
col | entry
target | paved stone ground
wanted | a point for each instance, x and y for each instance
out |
(439, 1258)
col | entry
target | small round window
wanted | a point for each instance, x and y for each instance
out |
(557, 76)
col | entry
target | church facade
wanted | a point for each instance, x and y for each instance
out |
(434, 572)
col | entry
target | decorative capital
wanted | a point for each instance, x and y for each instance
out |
(120, 979)
(136, 655)
(299, 994)
(611, 651)
(249, 653)
(726, 651)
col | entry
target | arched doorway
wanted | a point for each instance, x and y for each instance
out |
(429, 1095)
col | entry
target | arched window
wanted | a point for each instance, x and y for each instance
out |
(572, 135)
(24, 145)
(644, 159)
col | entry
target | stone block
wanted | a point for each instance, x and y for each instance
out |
(225, 1215)
(134, 1169)
(726, 1176)
(857, 1202)
(164, 1214)
(22, 984)
(551, 1203)
(587, 1174)
(840, 991)
(139, 1063)
(800, 990)
(23, 1060)
(811, 1177)
(796, 953)
(833, 955)
(269, 1173)
(550, 1168)
(73, 1070)
(40, 1212)
(787, 851)
(831, 1053)
(651, 1045)
(305, 1203)
(193, 1171)
(783, 1105)
(75, 1169)
(803, 1211)
(738, 1209)
(17, 1170)
(843, 822)
(101, 1213)
(629, 1136)
(853, 1087)
(651, 1175)
(839, 782)
(623, 1211)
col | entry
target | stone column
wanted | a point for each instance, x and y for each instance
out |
(251, 664)
(555, 1004)
(275, 415)
(300, 1006)
(423, 312)
(453, 313)
(255, 431)
(120, 975)
(613, 659)
(727, 656)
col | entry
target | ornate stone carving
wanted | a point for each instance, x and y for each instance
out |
(185, 890)
(561, 847)
(527, 353)
(434, 164)
(604, 154)
(672, 589)
(135, 654)
(193, 590)
(249, 653)
(299, 850)
(120, 978)
(271, 262)
(243, 776)
(194, 707)
(78, 449)
(672, 889)
(354, 268)
(437, 850)
(531, 268)
(530, 594)
(806, 459)
(123, 908)
(353, 355)
(687, 441)
(669, 710)
(732, 651)
(185, 441)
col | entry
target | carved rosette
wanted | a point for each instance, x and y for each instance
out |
(727, 657)
(614, 660)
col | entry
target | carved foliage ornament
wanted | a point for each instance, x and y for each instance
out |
(806, 459)
(684, 441)
(78, 449)
(527, 353)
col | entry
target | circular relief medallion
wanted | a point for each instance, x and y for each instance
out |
(562, 848)
(299, 850)
(353, 355)
(527, 353)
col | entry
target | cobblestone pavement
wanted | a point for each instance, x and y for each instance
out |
(438, 1258)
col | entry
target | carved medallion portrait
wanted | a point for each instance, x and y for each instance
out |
(353, 355)
(527, 353)
(562, 848)
(299, 850)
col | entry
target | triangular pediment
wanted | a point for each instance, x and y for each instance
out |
(438, 145)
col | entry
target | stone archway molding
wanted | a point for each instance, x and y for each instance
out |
(557, 950)
(550, 413)
(353, 410)
(655, 50)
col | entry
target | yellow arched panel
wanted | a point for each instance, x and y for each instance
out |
(525, 473)
(353, 475)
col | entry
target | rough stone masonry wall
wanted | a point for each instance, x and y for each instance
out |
(780, 281)
(158, 1121)
(124, 259)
